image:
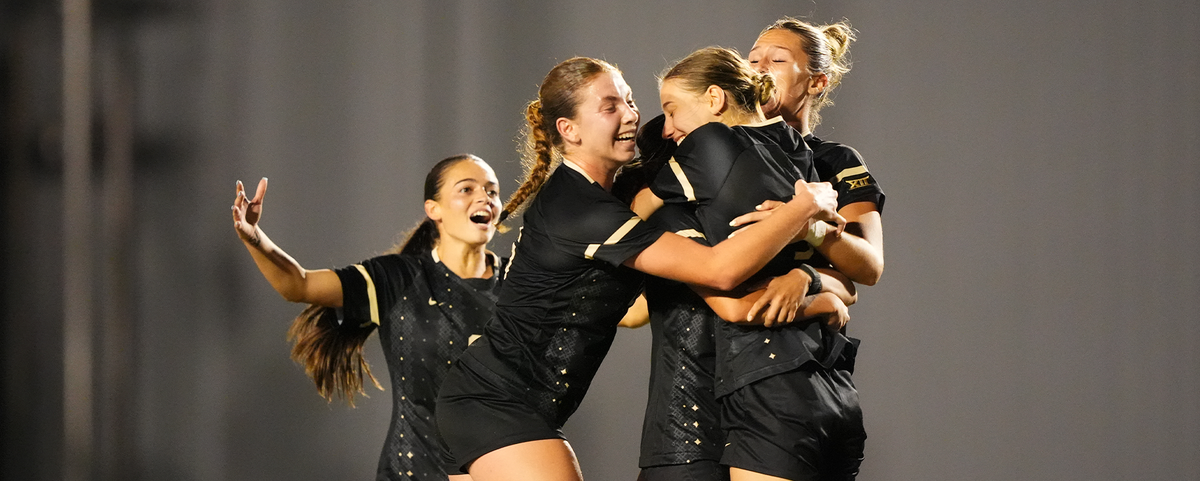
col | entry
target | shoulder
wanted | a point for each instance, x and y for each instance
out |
(778, 132)
(713, 137)
(833, 152)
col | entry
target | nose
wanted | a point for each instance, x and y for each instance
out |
(668, 131)
(631, 115)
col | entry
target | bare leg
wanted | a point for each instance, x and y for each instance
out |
(541, 460)
(738, 474)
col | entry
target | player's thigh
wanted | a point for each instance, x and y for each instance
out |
(739, 474)
(541, 460)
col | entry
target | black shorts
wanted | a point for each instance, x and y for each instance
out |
(799, 425)
(699, 470)
(477, 414)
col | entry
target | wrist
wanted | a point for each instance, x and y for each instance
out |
(814, 283)
(816, 232)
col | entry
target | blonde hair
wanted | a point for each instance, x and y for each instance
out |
(828, 51)
(558, 97)
(725, 68)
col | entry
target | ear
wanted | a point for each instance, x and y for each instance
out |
(433, 210)
(817, 84)
(716, 99)
(566, 129)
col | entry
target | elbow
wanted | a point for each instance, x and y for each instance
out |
(291, 296)
(870, 274)
(724, 281)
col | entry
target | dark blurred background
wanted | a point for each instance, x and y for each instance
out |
(1037, 318)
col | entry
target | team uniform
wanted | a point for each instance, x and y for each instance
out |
(725, 171)
(556, 317)
(427, 316)
(788, 405)
(681, 434)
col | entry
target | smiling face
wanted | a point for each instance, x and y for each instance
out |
(781, 53)
(468, 200)
(605, 123)
(684, 110)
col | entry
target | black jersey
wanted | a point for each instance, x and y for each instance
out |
(427, 316)
(682, 422)
(842, 166)
(727, 171)
(564, 293)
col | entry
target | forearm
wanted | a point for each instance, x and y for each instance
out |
(280, 269)
(731, 306)
(739, 257)
(839, 285)
(858, 252)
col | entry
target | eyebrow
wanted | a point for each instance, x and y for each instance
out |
(472, 179)
(764, 47)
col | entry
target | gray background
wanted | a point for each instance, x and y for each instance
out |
(1037, 318)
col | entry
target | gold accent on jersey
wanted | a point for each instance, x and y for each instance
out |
(691, 233)
(856, 183)
(371, 300)
(614, 238)
(688, 191)
(862, 169)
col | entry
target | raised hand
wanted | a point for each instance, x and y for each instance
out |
(246, 212)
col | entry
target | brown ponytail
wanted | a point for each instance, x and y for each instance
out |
(542, 147)
(331, 353)
(828, 51)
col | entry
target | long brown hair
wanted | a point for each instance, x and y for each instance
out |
(725, 68)
(557, 98)
(332, 354)
(828, 51)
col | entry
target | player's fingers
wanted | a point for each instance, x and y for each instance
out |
(768, 205)
(749, 218)
(755, 308)
(261, 191)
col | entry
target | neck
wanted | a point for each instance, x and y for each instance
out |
(738, 117)
(600, 170)
(465, 260)
(799, 120)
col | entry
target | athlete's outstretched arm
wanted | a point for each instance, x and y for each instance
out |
(856, 252)
(293, 282)
(729, 263)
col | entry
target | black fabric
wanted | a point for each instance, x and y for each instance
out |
(682, 421)
(478, 414)
(727, 171)
(832, 160)
(703, 470)
(558, 311)
(427, 316)
(803, 425)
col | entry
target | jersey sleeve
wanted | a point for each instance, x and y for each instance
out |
(842, 166)
(371, 288)
(700, 164)
(601, 228)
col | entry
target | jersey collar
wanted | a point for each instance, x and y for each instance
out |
(577, 168)
(772, 120)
